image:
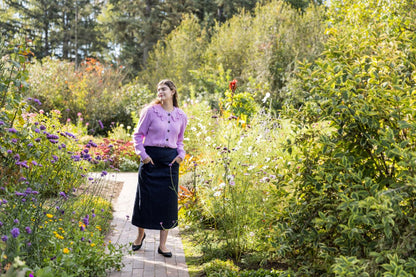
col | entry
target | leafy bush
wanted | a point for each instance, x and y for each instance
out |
(92, 90)
(353, 213)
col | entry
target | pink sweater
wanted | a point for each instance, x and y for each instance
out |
(158, 127)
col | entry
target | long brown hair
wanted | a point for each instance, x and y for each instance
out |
(172, 86)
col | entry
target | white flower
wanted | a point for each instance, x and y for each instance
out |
(217, 193)
(221, 185)
(266, 97)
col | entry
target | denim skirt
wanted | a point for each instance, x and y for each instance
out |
(156, 204)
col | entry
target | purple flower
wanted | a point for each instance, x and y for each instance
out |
(86, 220)
(30, 144)
(1, 224)
(104, 173)
(34, 163)
(35, 100)
(12, 130)
(51, 136)
(14, 140)
(22, 179)
(29, 244)
(28, 230)
(82, 239)
(82, 228)
(17, 157)
(37, 130)
(4, 238)
(1, 122)
(9, 151)
(37, 139)
(16, 221)
(42, 127)
(15, 232)
(101, 124)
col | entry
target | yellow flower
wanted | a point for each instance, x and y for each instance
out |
(49, 215)
(98, 227)
(66, 250)
(92, 244)
(4, 257)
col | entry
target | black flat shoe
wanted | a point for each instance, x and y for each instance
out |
(137, 247)
(165, 254)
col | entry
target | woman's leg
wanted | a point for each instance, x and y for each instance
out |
(140, 236)
(163, 238)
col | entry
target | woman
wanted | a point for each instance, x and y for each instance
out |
(158, 140)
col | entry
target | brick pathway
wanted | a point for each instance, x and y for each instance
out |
(146, 262)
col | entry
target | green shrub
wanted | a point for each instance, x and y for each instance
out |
(353, 213)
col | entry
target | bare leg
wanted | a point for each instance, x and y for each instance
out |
(163, 238)
(139, 236)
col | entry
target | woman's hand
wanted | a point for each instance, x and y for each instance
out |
(148, 160)
(177, 159)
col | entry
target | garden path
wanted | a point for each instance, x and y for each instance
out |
(146, 262)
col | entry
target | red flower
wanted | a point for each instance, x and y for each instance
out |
(233, 85)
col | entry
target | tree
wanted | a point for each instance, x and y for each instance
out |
(64, 28)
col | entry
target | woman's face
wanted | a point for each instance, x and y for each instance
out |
(164, 93)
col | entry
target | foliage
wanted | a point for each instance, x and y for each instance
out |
(353, 212)
(231, 162)
(93, 91)
(42, 165)
(65, 29)
(260, 49)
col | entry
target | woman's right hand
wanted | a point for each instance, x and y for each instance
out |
(148, 160)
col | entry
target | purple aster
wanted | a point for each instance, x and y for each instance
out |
(14, 140)
(42, 127)
(4, 238)
(28, 230)
(51, 136)
(86, 220)
(16, 221)
(12, 130)
(37, 130)
(9, 151)
(15, 232)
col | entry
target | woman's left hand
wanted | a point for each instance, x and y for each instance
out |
(177, 159)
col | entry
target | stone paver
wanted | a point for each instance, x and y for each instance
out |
(146, 262)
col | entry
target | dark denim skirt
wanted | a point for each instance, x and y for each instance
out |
(156, 204)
